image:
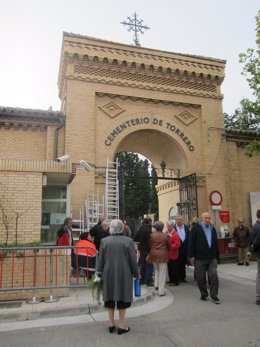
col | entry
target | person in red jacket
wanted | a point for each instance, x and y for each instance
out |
(65, 233)
(174, 245)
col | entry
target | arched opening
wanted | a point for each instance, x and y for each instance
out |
(168, 159)
(137, 188)
(156, 146)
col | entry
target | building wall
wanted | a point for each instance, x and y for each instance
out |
(22, 144)
(168, 194)
(21, 193)
(243, 179)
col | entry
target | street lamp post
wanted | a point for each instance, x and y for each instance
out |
(163, 167)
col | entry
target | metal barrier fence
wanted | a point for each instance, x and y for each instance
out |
(48, 267)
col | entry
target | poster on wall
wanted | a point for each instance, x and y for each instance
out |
(255, 204)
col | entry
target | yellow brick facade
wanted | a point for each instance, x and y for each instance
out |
(17, 144)
(114, 98)
(163, 105)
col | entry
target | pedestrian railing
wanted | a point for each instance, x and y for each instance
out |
(27, 270)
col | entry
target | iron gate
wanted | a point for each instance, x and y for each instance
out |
(188, 205)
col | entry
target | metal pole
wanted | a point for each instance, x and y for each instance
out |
(34, 299)
(51, 297)
(216, 223)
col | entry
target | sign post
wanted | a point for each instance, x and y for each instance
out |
(215, 198)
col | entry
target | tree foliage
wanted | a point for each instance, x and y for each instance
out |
(247, 116)
(136, 194)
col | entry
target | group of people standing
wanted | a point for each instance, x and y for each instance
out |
(197, 246)
(167, 250)
(159, 251)
(174, 249)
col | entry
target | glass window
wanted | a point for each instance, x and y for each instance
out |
(54, 207)
(54, 192)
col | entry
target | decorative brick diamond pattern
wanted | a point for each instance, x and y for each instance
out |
(186, 117)
(111, 109)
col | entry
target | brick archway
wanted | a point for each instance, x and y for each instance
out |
(121, 97)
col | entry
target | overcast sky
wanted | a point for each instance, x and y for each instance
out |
(31, 37)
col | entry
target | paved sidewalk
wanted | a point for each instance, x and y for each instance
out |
(243, 274)
(81, 302)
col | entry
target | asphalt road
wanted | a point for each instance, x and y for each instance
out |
(186, 322)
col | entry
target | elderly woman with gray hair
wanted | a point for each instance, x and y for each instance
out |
(117, 262)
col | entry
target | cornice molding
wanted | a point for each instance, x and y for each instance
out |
(110, 58)
(19, 118)
(98, 45)
(22, 126)
(146, 100)
(241, 137)
(167, 186)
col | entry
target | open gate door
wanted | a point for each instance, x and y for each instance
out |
(188, 205)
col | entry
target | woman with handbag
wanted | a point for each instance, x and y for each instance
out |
(158, 255)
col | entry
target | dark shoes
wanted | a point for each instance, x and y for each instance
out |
(162, 294)
(216, 300)
(247, 264)
(122, 331)
(204, 297)
(257, 302)
(111, 329)
(240, 263)
(184, 280)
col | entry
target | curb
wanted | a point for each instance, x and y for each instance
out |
(67, 311)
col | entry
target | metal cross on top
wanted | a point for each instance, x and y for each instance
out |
(137, 26)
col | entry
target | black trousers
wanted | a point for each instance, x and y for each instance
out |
(182, 263)
(173, 271)
(203, 269)
(82, 261)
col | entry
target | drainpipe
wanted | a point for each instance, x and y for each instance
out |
(56, 135)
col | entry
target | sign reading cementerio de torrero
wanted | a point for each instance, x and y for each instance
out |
(152, 121)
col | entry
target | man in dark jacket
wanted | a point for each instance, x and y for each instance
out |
(241, 236)
(203, 252)
(99, 231)
(255, 248)
(143, 237)
(183, 232)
